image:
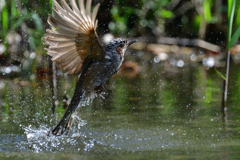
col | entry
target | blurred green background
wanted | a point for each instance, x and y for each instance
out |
(23, 23)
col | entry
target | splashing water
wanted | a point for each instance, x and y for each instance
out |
(39, 139)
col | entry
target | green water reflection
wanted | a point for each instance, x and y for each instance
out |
(162, 113)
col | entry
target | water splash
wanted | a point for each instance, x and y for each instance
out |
(38, 139)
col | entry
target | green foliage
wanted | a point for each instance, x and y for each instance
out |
(165, 13)
(197, 21)
(120, 22)
(141, 14)
(207, 10)
(233, 7)
(237, 13)
(4, 20)
(152, 17)
(220, 74)
(14, 14)
(23, 18)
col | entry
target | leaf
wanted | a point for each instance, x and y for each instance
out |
(17, 23)
(231, 10)
(166, 13)
(237, 13)
(234, 37)
(37, 21)
(230, 5)
(14, 10)
(207, 10)
(4, 20)
(220, 74)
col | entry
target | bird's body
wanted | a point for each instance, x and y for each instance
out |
(75, 48)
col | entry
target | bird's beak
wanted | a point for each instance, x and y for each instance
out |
(131, 42)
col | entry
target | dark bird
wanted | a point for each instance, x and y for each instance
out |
(75, 48)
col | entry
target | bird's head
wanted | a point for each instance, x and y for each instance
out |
(119, 46)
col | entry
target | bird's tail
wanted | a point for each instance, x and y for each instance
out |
(66, 122)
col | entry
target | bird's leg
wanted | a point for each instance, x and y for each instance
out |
(99, 89)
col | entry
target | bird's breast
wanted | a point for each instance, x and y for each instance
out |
(116, 61)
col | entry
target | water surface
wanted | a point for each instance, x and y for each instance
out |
(164, 112)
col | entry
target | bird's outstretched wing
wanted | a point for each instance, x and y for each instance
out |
(72, 37)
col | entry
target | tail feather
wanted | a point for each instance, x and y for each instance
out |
(78, 97)
(64, 125)
(66, 122)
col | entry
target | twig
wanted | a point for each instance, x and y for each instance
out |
(190, 42)
(54, 89)
(182, 10)
(53, 85)
(53, 77)
(225, 88)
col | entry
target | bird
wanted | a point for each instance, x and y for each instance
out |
(74, 46)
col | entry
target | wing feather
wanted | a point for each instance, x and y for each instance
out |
(94, 13)
(88, 7)
(65, 20)
(72, 37)
(71, 60)
(74, 6)
(67, 54)
(81, 23)
(62, 11)
(81, 6)
(69, 66)
(66, 7)
(60, 27)
(96, 23)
